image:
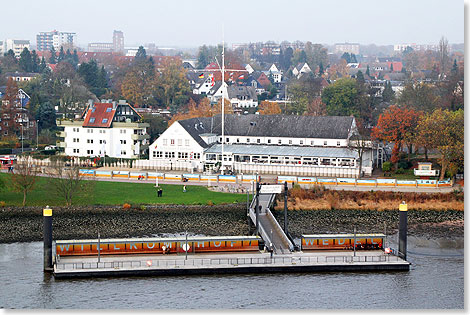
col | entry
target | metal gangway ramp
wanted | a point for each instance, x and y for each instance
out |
(269, 229)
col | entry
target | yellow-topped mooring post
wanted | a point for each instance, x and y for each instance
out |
(47, 215)
(403, 230)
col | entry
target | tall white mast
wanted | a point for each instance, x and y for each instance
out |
(223, 96)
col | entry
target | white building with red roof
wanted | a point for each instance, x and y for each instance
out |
(114, 129)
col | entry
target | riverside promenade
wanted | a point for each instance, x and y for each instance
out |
(270, 179)
(230, 187)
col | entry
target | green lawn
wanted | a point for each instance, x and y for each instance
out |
(116, 193)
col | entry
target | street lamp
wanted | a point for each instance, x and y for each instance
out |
(22, 136)
(37, 134)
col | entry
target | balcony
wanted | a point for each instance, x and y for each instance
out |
(139, 137)
(143, 147)
(61, 144)
(66, 122)
(61, 134)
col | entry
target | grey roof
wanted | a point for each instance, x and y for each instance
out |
(283, 150)
(239, 91)
(215, 88)
(196, 127)
(292, 126)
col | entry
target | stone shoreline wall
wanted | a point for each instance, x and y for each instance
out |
(26, 224)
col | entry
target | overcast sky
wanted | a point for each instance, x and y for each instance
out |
(191, 23)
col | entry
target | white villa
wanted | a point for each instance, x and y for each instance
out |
(107, 128)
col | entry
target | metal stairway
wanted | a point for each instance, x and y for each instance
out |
(269, 229)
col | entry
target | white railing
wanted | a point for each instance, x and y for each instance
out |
(225, 262)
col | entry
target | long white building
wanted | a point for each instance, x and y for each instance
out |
(270, 144)
(107, 128)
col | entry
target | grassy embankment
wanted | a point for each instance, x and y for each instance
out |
(118, 193)
(320, 198)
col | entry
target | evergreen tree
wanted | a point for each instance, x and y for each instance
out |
(455, 68)
(10, 53)
(391, 66)
(46, 115)
(151, 63)
(360, 77)
(53, 59)
(203, 57)
(89, 72)
(388, 94)
(102, 79)
(75, 59)
(25, 61)
(42, 65)
(346, 56)
(141, 55)
(61, 55)
(368, 71)
(320, 68)
(303, 56)
(35, 62)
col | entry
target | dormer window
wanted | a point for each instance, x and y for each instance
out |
(108, 110)
(93, 109)
(92, 120)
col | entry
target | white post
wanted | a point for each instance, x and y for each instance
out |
(223, 97)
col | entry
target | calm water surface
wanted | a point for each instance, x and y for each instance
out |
(436, 280)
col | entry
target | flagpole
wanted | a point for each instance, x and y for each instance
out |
(223, 96)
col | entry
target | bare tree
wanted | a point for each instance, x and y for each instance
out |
(443, 56)
(67, 182)
(24, 178)
(360, 142)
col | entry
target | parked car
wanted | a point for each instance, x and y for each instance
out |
(51, 147)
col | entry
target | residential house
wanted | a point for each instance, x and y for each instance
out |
(242, 96)
(15, 117)
(300, 69)
(105, 129)
(21, 76)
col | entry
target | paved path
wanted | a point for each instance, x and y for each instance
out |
(267, 178)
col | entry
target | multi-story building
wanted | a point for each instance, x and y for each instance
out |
(402, 47)
(118, 41)
(274, 144)
(17, 45)
(105, 129)
(100, 47)
(47, 40)
(116, 46)
(15, 118)
(352, 48)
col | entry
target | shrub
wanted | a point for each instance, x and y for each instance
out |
(126, 206)
(405, 164)
(143, 208)
(210, 203)
(400, 171)
(333, 200)
(2, 204)
(387, 166)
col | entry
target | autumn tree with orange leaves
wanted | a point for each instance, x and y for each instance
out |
(397, 125)
(269, 108)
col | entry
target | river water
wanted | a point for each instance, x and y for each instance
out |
(435, 280)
